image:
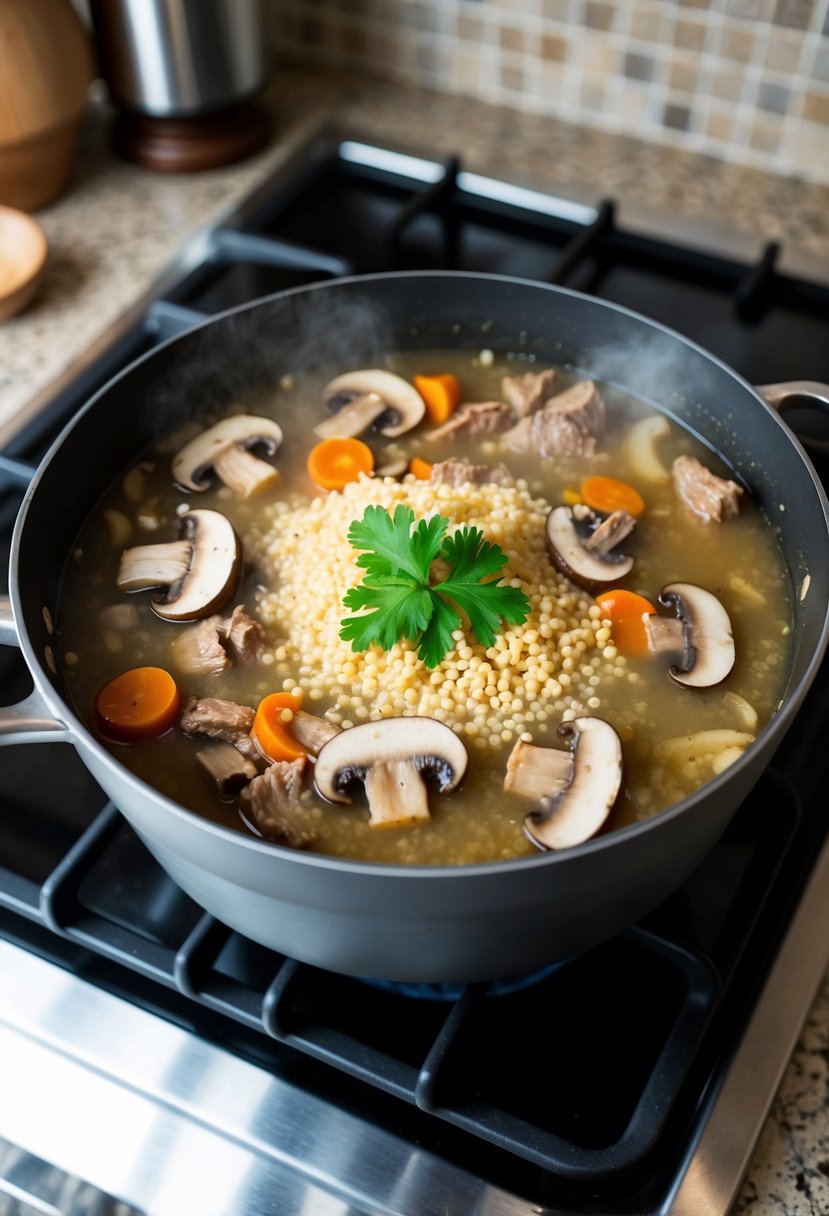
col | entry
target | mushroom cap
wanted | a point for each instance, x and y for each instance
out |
(709, 642)
(214, 572)
(578, 811)
(432, 747)
(193, 462)
(403, 402)
(591, 570)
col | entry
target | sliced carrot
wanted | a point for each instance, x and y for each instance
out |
(333, 463)
(627, 611)
(421, 468)
(141, 703)
(608, 494)
(442, 394)
(271, 726)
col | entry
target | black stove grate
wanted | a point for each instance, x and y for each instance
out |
(589, 1084)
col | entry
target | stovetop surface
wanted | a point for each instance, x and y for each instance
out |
(641, 1029)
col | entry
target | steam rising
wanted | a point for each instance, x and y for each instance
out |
(243, 353)
(664, 371)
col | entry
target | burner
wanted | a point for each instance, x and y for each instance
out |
(454, 992)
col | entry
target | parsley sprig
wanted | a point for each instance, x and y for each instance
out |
(396, 555)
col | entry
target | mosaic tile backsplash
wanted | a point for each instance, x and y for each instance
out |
(743, 80)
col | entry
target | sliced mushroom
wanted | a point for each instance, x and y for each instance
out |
(371, 397)
(391, 758)
(570, 815)
(200, 572)
(700, 634)
(224, 448)
(588, 562)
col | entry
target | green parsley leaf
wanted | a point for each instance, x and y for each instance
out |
(396, 594)
(436, 639)
(485, 603)
(391, 546)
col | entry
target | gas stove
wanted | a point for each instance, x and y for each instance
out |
(153, 1060)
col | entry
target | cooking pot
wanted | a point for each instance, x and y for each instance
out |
(455, 923)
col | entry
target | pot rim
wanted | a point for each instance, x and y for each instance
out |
(82, 737)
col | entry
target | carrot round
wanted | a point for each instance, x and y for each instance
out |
(141, 703)
(421, 468)
(627, 611)
(271, 723)
(442, 394)
(333, 463)
(607, 494)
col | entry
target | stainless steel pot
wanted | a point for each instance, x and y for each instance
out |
(416, 923)
(178, 58)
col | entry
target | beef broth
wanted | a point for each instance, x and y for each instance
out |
(561, 664)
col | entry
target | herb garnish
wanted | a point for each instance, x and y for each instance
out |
(404, 604)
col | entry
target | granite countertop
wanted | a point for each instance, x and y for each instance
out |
(117, 226)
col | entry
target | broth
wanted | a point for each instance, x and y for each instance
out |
(738, 560)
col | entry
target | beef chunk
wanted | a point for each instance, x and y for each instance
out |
(218, 719)
(710, 497)
(273, 805)
(610, 532)
(215, 643)
(226, 767)
(474, 420)
(528, 393)
(242, 637)
(460, 472)
(569, 424)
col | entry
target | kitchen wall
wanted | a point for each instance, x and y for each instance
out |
(743, 80)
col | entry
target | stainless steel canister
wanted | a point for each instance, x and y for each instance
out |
(177, 58)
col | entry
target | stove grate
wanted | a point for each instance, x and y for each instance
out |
(560, 1038)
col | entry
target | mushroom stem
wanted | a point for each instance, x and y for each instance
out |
(666, 634)
(146, 566)
(353, 418)
(537, 772)
(396, 794)
(312, 732)
(244, 472)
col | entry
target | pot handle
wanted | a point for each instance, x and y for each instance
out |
(796, 394)
(29, 721)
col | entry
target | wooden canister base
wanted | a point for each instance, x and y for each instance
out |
(187, 145)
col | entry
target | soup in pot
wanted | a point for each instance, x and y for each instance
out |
(451, 609)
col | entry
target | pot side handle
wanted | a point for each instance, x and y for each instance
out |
(796, 394)
(29, 721)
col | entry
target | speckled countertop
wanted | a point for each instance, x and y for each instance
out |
(117, 227)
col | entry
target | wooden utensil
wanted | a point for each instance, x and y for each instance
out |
(45, 71)
(22, 260)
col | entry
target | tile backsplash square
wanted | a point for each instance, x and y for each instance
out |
(744, 80)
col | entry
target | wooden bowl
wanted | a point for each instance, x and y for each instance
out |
(22, 260)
